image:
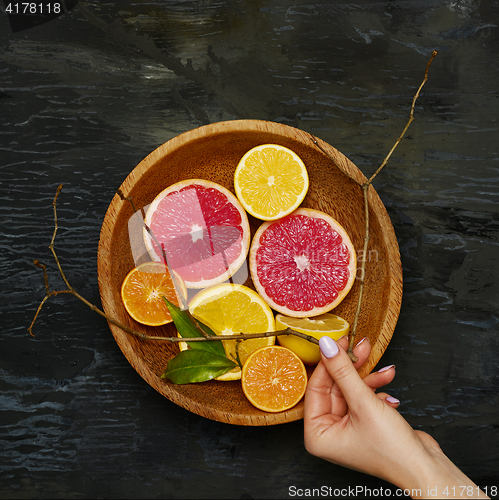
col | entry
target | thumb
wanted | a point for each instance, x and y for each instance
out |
(344, 374)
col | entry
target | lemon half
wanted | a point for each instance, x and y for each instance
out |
(229, 309)
(271, 181)
(326, 324)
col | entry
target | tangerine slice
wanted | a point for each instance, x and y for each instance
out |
(274, 379)
(142, 293)
(231, 308)
(202, 229)
(271, 181)
(304, 264)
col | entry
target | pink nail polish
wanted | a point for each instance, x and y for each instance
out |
(391, 399)
(386, 368)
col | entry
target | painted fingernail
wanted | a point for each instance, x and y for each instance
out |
(391, 399)
(328, 347)
(386, 368)
(365, 338)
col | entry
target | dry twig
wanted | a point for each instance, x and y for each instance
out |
(365, 192)
(70, 290)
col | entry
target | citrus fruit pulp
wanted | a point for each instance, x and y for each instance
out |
(303, 264)
(228, 309)
(143, 290)
(274, 379)
(326, 324)
(270, 181)
(202, 230)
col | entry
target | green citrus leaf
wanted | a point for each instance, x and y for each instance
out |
(196, 366)
(188, 329)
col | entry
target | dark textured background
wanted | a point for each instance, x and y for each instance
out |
(85, 97)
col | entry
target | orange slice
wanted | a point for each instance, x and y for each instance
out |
(274, 379)
(142, 293)
(271, 181)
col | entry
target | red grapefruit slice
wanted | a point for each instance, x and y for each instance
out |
(201, 229)
(304, 264)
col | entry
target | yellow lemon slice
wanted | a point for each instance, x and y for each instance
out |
(326, 324)
(270, 181)
(228, 309)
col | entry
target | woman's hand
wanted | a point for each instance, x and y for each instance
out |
(347, 423)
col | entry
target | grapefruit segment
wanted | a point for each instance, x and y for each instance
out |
(303, 264)
(200, 229)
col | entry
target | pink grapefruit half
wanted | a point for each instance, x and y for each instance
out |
(201, 230)
(304, 264)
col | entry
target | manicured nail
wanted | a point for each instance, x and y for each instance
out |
(328, 347)
(391, 399)
(386, 368)
(365, 338)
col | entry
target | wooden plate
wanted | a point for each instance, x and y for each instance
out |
(212, 152)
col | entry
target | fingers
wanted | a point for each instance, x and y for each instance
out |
(323, 396)
(389, 400)
(318, 393)
(326, 396)
(344, 374)
(362, 351)
(380, 378)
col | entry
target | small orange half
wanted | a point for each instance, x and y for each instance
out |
(143, 290)
(274, 379)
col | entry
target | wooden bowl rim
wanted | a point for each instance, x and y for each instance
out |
(344, 164)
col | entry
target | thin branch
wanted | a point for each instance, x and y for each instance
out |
(232, 336)
(51, 293)
(52, 241)
(48, 294)
(365, 188)
(143, 336)
(365, 192)
(411, 118)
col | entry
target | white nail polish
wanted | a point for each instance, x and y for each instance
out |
(391, 399)
(328, 347)
(386, 368)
